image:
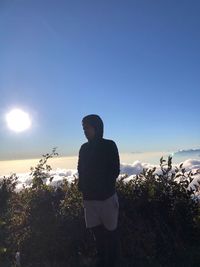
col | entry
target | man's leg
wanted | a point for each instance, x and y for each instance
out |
(112, 248)
(109, 217)
(99, 236)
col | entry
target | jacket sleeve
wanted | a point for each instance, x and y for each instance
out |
(114, 164)
(79, 169)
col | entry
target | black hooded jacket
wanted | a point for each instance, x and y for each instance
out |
(98, 165)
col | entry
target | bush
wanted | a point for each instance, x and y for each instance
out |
(159, 220)
(7, 186)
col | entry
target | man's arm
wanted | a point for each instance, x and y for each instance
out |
(79, 169)
(114, 164)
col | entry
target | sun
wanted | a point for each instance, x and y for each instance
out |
(18, 120)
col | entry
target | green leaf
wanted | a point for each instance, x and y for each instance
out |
(2, 222)
(2, 250)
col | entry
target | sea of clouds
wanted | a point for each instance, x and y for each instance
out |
(131, 170)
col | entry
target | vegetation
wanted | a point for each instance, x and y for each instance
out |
(159, 222)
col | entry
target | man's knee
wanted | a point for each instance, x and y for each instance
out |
(111, 233)
(113, 240)
(98, 231)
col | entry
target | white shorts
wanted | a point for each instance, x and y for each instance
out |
(102, 212)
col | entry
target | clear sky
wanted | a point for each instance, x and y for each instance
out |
(135, 63)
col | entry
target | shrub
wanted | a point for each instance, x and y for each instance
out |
(159, 220)
(47, 223)
(7, 186)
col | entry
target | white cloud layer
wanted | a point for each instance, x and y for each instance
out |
(25, 180)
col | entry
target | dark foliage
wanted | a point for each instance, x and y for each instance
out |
(159, 220)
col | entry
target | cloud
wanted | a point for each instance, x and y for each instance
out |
(191, 164)
(135, 168)
(25, 180)
(190, 152)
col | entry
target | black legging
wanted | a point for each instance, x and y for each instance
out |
(107, 245)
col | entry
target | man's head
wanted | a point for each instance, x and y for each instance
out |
(93, 127)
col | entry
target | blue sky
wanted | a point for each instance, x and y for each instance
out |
(135, 63)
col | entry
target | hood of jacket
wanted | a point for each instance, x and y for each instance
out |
(96, 122)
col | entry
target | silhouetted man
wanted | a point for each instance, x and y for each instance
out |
(98, 169)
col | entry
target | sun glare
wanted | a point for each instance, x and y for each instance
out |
(18, 120)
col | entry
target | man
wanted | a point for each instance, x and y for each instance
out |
(98, 169)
